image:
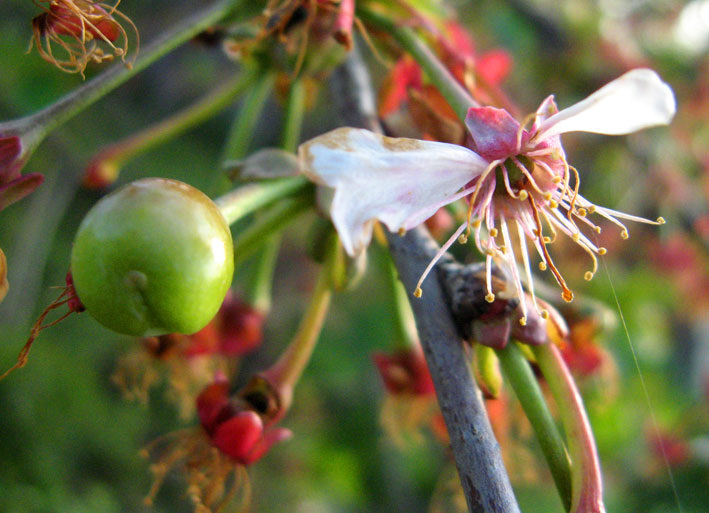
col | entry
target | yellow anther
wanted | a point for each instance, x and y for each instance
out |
(624, 234)
(503, 249)
(463, 238)
(542, 266)
(553, 204)
(588, 276)
(661, 220)
(402, 231)
(556, 179)
(490, 252)
(547, 240)
(418, 292)
(597, 229)
(490, 297)
(476, 223)
(493, 232)
(544, 314)
(547, 196)
(523, 195)
(591, 209)
(522, 321)
(575, 237)
(582, 212)
(602, 251)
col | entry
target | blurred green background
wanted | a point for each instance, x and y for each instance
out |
(69, 442)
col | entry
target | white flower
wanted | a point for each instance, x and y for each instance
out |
(512, 178)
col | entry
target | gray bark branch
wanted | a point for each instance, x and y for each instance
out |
(477, 455)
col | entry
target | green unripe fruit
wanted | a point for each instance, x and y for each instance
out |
(153, 257)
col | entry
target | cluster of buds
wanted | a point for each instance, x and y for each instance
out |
(72, 33)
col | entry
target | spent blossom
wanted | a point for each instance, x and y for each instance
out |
(515, 178)
(72, 33)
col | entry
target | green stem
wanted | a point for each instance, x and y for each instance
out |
(295, 111)
(263, 232)
(520, 376)
(447, 85)
(36, 126)
(117, 154)
(286, 372)
(405, 324)
(266, 225)
(260, 289)
(237, 146)
(240, 202)
(587, 485)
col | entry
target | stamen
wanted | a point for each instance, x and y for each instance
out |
(479, 185)
(418, 292)
(513, 266)
(566, 293)
(520, 130)
(525, 263)
(528, 174)
(572, 203)
(490, 297)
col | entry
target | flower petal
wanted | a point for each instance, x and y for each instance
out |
(4, 285)
(19, 188)
(494, 132)
(400, 182)
(638, 99)
(10, 151)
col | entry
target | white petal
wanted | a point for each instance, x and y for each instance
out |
(638, 99)
(400, 182)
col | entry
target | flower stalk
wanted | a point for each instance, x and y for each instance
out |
(520, 377)
(237, 145)
(105, 166)
(586, 482)
(286, 372)
(35, 127)
(456, 96)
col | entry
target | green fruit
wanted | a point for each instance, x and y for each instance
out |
(153, 257)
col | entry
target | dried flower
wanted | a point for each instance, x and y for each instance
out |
(83, 31)
(214, 457)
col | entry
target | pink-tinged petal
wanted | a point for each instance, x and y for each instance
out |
(269, 439)
(213, 399)
(546, 110)
(400, 182)
(19, 188)
(238, 436)
(638, 99)
(4, 284)
(494, 132)
(10, 151)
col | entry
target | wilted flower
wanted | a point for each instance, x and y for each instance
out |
(517, 181)
(189, 362)
(404, 372)
(410, 403)
(232, 436)
(83, 31)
